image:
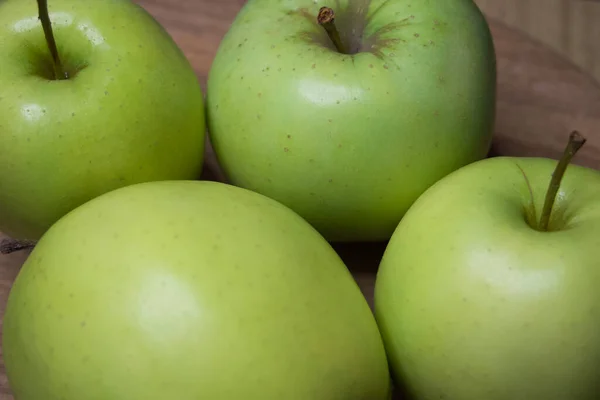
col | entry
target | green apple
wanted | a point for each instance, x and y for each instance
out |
(130, 111)
(189, 290)
(477, 298)
(349, 132)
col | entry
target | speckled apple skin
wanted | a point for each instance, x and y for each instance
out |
(131, 112)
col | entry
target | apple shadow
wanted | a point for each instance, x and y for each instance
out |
(361, 257)
(494, 151)
(362, 260)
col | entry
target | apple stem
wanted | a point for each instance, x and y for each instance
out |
(576, 142)
(9, 246)
(59, 72)
(326, 19)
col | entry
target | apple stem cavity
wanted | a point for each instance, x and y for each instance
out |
(59, 72)
(576, 142)
(326, 19)
(9, 246)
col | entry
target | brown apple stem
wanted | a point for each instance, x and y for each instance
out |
(9, 246)
(576, 142)
(326, 19)
(59, 72)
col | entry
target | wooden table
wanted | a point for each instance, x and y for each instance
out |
(541, 98)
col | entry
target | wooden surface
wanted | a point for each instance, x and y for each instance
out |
(569, 27)
(541, 98)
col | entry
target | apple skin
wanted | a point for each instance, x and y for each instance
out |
(134, 113)
(189, 290)
(350, 141)
(475, 304)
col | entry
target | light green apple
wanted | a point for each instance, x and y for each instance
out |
(476, 301)
(131, 110)
(350, 137)
(189, 290)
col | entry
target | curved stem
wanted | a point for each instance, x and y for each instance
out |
(59, 72)
(576, 141)
(326, 19)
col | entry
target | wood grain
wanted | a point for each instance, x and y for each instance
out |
(569, 27)
(541, 98)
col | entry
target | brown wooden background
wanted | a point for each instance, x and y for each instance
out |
(569, 27)
(543, 91)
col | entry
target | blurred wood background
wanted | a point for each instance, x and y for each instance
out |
(568, 27)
